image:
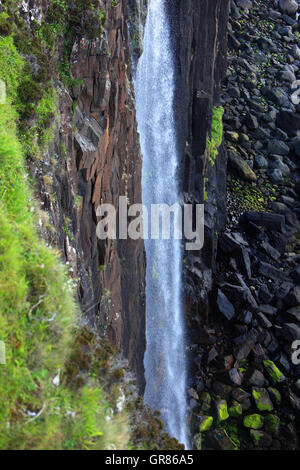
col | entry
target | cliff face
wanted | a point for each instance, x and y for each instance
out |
(200, 43)
(102, 161)
(98, 160)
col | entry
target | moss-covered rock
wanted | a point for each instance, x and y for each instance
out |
(221, 440)
(276, 375)
(205, 400)
(256, 436)
(233, 136)
(254, 421)
(235, 409)
(275, 395)
(205, 423)
(272, 423)
(262, 399)
(222, 410)
(240, 167)
(198, 441)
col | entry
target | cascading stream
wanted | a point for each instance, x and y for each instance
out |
(165, 363)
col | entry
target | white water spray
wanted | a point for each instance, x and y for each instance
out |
(165, 363)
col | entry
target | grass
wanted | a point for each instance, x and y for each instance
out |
(39, 407)
(58, 389)
(38, 317)
(34, 93)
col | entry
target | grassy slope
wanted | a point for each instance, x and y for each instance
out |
(60, 386)
(38, 313)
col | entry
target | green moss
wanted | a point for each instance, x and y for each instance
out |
(215, 140)
(262, 399)
(66, 19)
(205, 195)
(275, 395)
(206, 423)
(31, 99)
(236, 409)
(205, 402)
(254, 421)
(34, 92)
(47, 112)
(256, 436)
(272, 423)
(222, 410)
(275, 374)
(232, 433)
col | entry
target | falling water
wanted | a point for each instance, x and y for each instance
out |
(165, 364)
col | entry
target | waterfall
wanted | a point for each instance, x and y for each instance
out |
(165, 363)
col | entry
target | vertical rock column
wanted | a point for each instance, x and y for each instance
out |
(100, 160)
(200, 44)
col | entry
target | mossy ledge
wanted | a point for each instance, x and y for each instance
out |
(214, 141)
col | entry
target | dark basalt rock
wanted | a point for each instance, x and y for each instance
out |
(269, 271)
(265, 219)
(289, 122)
(278, 147)
(256, 379)
(239, 167)
(225, 307)
(254, 279)
(200, 48)
(289, 6)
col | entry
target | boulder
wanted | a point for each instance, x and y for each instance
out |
(222, 411)
(289, 122)
(239, 167)
(254, 421)
(296, 52)
(251, 121)
(205, 423)
(235, 377)
(277, 147)
(260, 162)
(240, 395)
(262, 399)
(290, 7)
(276, 176)
(274, 395)
(264, 219)
(272, 423)
(225, 307)
(275, 374)
(221, 441)
(235, 409)
(256, 379)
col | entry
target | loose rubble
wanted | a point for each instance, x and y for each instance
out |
(243, 369)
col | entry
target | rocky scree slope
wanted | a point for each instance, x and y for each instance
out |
(245, 390)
